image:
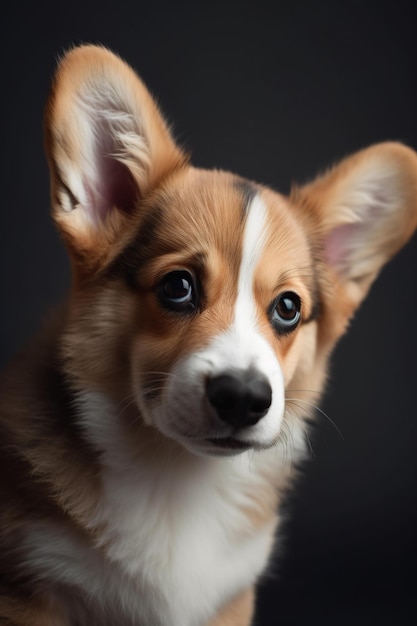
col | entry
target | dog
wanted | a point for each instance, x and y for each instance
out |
(147, 437)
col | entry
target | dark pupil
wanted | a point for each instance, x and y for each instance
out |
(177, 288)
(287, 308)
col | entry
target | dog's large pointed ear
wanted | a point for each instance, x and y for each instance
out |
(366, 210)
(107, 147)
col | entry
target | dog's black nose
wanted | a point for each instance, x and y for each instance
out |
(240, 398)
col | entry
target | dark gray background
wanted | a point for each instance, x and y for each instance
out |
(275, 92)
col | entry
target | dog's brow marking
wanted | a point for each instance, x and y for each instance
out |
(253, 243)
(248, 191)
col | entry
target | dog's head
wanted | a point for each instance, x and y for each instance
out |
(199, 296)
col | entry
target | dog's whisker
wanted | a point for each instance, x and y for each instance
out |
(316, 408)
(314, 391)
(305, 431)
(282, 442)
(162, 374)
(125, 399)
(125, 408)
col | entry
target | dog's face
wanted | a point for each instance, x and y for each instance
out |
(201, 296)
(223, 302)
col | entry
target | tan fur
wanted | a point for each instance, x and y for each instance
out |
(113, 336)
(22, 612)
(238, 612)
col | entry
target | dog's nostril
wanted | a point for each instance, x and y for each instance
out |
(259, 395)
(240, 398)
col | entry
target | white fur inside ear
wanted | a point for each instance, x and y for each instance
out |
(102, 153)
(113, 155)
(368, 224)
(107, 146)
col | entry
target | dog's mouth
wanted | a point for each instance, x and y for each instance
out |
(229, 443)
(224, 446)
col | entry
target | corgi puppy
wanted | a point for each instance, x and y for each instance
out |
(147, 434)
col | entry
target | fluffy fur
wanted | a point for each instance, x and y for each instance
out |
(148, 434)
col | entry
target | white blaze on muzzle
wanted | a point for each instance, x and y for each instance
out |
(241, 349)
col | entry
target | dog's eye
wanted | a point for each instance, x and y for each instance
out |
(286, 312)
(176, 291)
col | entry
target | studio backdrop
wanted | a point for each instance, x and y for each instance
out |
(275, 92)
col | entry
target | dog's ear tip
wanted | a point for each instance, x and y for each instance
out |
(395, 148)
(400, 158)
(87, 52)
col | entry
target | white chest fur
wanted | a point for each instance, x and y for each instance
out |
(190, 545)
(172, 547)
